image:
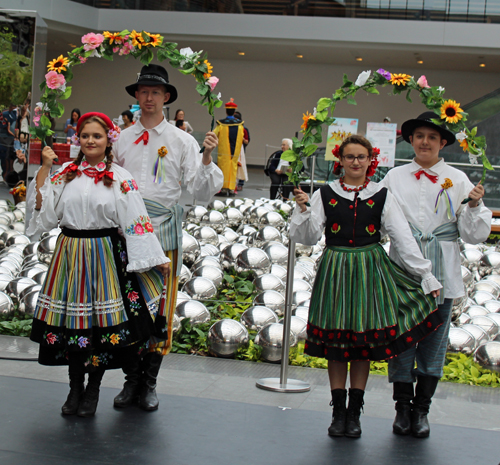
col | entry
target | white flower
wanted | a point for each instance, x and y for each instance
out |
(461, 136)
(62, 88)
(95, 53)
(473, 159)
(186, 51)
(362, 78)
(219, 95)
(314, 112)
(441, 89)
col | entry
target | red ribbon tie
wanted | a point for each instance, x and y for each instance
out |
(433, 179)
(144, 137)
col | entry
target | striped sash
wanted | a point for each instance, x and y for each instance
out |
(430, 248)
(170, 233)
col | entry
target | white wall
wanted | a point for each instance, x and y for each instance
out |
(271, 96)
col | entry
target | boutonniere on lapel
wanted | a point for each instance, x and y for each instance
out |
(159, 168)
(443, 193)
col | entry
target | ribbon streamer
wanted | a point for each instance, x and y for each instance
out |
(159, 172)
(450, 212)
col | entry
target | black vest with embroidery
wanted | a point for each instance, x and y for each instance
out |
(352, 223)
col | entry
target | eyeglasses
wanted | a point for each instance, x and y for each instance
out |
(351, 158)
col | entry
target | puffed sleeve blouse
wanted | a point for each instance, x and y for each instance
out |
(83, 204)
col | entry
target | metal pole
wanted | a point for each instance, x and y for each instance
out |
(283, 384)
(313, 167)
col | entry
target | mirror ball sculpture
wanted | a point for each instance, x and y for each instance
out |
(226, 337)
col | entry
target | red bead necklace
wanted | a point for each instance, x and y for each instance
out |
(356, 189)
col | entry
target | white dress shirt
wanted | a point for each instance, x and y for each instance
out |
(83, 204)
(183, 161)
(417, 199)
(307, 228)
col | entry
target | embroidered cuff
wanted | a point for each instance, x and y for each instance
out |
(140, 266)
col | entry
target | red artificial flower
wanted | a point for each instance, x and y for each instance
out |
(336, 151)
(370, 229)
(370, 203)
(333, 202)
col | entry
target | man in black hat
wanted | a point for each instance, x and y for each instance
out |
(419, 186)
(159, 156)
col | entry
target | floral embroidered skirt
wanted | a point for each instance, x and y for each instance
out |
(91, 306)
(364, 307)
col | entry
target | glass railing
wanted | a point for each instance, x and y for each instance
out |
(480, 11)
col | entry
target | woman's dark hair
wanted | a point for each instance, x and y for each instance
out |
(109, 156)
(128, 114)
(237, 114)
(179, 123)
(177, 112)
(355, 139)
(77, 111)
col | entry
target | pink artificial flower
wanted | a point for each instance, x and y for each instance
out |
(83, 60)
(54, 80)
(36, 120)
(127, 48)
(422, 82)
(116, 49)
(139, 229)
(212, 82)
(92, 41)
(75, 140)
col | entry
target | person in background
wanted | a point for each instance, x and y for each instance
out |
(70, 127)
(278, 174)
(242, 172)
(128, 119)
(179, 115)
(181, 124)
(230, 133)
(7, 137)
(23, 128)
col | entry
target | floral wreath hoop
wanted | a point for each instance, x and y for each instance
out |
(140, 45)
(448, 114)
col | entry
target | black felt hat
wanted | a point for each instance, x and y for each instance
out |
(153, 75)
(425, 119)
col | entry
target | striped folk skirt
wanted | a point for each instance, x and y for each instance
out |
(91, 307)
(364, 307)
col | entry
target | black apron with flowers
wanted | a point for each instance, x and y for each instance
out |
(352, 223)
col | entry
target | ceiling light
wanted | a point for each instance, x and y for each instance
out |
(482, 65)
(241, 53)
(299, 55)
(420, 62)
(359, 59)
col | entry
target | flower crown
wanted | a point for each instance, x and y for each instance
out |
(113, 135)
(373, 165)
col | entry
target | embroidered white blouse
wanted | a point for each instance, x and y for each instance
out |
(307, 228)
(183, 161)
(417, 199)
(82, 204)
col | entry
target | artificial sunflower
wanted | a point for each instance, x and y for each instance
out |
(306, 117)
(112, 36)
(210, 68)
(59, 64)
(447, 183)
(137, 39)
(156, 39)
(450, 111)
(464, 144)
(400, 79)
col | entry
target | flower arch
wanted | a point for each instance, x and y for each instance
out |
(448, 113)
(140, 45)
